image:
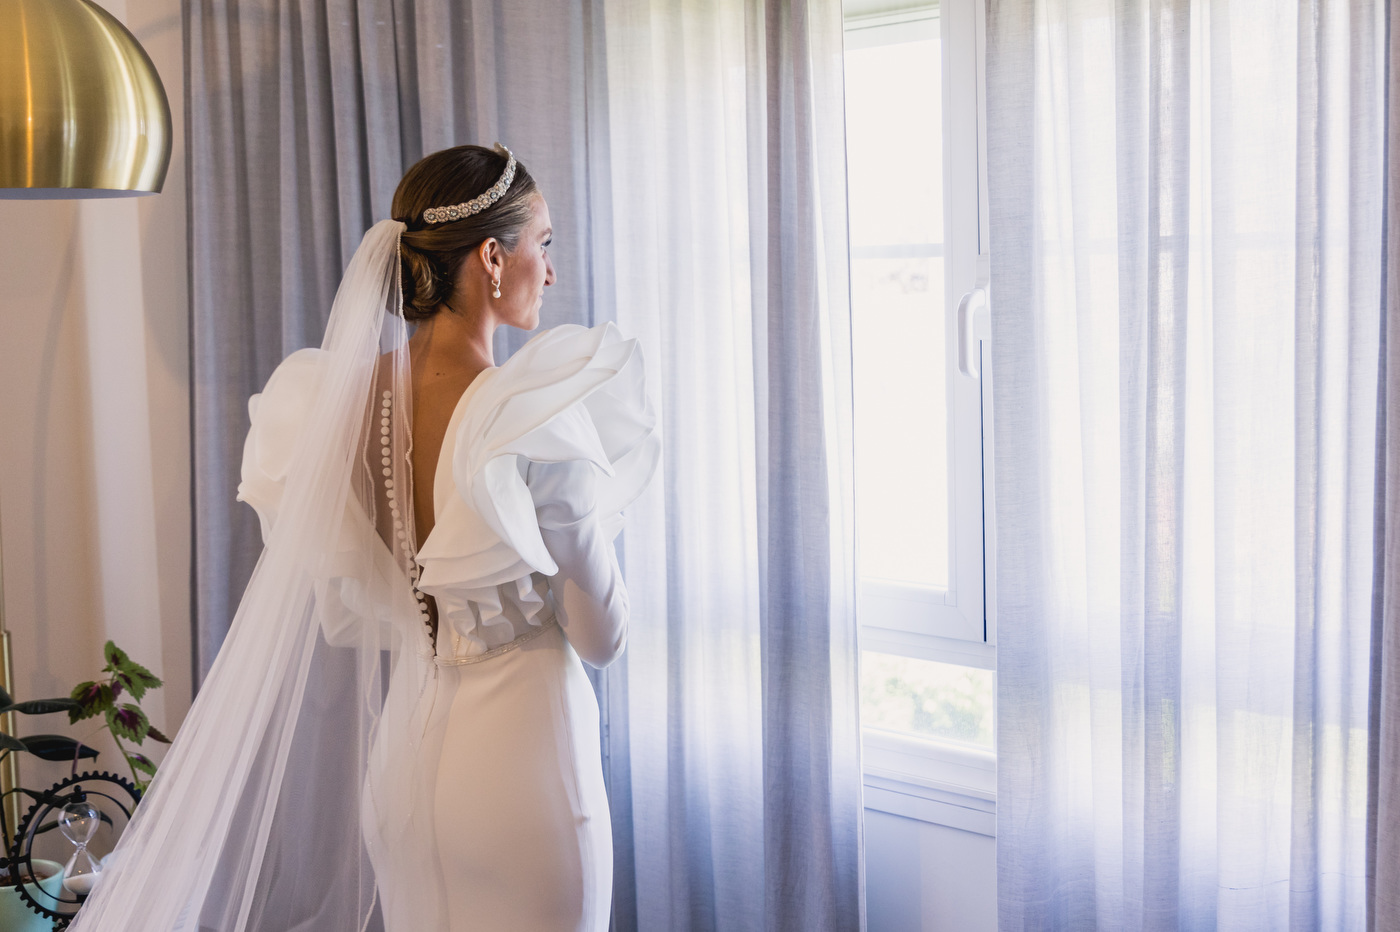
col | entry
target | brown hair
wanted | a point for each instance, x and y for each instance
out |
(432, 254)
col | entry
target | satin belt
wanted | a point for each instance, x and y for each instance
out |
(536, 631)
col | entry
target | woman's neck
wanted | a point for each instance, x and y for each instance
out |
(452, 341)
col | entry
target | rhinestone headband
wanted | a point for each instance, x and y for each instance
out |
(479, 203)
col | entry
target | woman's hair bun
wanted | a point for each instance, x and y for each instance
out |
(432, 254)
(426, 284)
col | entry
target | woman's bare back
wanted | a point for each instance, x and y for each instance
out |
(437, 384)
(435, 397)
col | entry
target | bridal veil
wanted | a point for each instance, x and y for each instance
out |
(256, 818)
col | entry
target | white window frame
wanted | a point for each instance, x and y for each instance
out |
(933, 780)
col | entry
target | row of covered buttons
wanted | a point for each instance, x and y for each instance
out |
(400, 530)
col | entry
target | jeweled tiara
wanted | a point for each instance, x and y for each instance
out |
(479, 203)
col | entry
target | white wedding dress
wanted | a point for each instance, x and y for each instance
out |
(483, 805)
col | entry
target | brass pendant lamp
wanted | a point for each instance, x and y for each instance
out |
(82, 109)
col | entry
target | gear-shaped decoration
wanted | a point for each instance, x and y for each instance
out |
(114, 798)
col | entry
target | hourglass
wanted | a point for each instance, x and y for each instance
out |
(79, 822)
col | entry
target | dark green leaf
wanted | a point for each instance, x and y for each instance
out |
(45, 706)
(5, 699)
(138, 679)
(134, 677)
(116, 657)
(155, 734)
(143, 763)
(124, 681)
(11, 743)
(58, 748)
(92, 698)
(128, 722)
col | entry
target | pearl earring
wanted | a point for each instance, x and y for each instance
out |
(497, 283)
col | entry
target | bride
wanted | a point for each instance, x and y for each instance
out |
(399, 733)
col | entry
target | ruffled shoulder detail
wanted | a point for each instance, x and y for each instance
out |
(570, 394)
(278, 414)
(358, 580)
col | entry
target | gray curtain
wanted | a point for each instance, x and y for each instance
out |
(303, 117)
(1186, 266)
(1383, 840)
(693, 158)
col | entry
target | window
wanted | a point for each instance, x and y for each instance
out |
(918, 292)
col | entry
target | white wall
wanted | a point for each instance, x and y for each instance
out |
(922, 877)
(94, 464)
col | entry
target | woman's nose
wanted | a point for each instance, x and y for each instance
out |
(548, 271)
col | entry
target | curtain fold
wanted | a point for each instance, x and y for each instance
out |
(303, 117)
(1383, 815)
(693, 157)
(742, 757)
(1186, 255)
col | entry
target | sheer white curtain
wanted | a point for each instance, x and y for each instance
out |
(1383, 841)
(734, 765)
(1185, 232)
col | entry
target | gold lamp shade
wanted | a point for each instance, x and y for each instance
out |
(82, 109)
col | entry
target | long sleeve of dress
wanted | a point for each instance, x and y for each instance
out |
(589, 594)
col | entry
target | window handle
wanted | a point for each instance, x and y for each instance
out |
(974, 326)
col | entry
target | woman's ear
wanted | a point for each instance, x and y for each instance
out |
(492, 257)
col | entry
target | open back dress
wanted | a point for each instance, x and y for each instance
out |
(483, 805)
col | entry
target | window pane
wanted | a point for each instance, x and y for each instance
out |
(893, 143)
(895, 163)
(901, 420)
(926, 698)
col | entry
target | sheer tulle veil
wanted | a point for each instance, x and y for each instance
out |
(269, 807)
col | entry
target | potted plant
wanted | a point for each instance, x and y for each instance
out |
(123, 720)
(38, 893)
